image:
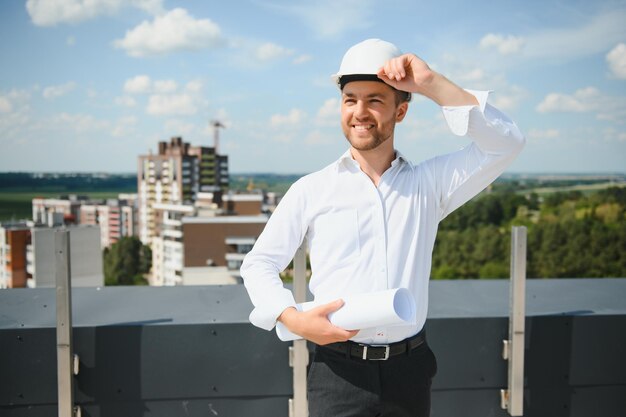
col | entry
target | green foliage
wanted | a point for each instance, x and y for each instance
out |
(126, 261)
(570, 234)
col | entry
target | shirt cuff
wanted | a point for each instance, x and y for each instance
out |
(457, 117)
(265, 316)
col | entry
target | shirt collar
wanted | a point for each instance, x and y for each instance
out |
(347, 160)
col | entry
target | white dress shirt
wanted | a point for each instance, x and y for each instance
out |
(363, 238)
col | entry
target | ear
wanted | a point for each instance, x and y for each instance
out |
(401, 111)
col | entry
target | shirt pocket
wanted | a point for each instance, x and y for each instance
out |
(336, 239)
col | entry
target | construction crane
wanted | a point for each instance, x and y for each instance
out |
(216, 134)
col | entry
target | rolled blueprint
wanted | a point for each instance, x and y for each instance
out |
(363, 311)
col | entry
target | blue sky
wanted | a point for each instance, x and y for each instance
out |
(89, 85)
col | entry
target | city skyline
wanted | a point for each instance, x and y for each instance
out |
(88, 87)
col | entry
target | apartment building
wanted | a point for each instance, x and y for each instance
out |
(214, 247)
(167, 244)
(117, 218)
(65, 209)
(175, 176)
(205, 243)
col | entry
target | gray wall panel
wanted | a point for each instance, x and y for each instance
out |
(28, 367)
(598, 350)
(469, 352)
(467, 403)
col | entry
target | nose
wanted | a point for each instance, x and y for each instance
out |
(361, 111)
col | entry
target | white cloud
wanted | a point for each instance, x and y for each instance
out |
(171, 104)
(270, 51)
(53, 12)
(330, 18)
(176, 127)
(14, 112)
(543, 134)
(580, 101)
(79, 123)
(165, 86)
(600, 33)
(589, 99)
(153, 7)
(55, 91)
(613, 135)
(329, 113)
(476, 74)
(301, 59)
(124, 126)
(293, 118)
(171, 32)
(138, 84)
(143, 84)
(125, 101)
(616, 59)
(503, 44)
(70, 41)
(5, 105)
(509, 97)
(317, 137)
(194, 86)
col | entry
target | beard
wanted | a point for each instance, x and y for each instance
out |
(374, 140)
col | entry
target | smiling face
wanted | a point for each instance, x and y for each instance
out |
(369, 113)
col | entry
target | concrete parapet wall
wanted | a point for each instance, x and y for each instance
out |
(189, 351)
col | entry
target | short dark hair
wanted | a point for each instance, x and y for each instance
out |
(401, 96)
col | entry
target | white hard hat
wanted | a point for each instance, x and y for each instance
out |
(366, 58)
(363, 60)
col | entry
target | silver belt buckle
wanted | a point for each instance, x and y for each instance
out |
(377, 346)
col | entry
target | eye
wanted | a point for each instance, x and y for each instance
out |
(349, 100)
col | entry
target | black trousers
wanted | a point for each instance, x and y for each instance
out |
(339, 386)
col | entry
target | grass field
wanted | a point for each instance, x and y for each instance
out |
(584, 188)
(17, 205)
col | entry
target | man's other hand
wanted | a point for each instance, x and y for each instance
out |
(314, 325)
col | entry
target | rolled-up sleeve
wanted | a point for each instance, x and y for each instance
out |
(496, 141)
(271, 254)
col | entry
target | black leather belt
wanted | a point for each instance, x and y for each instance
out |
(378, 352)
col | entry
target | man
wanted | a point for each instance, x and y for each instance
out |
(370, 220)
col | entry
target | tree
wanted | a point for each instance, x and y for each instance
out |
(126, 261)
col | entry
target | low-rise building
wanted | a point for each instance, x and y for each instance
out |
(85, 257)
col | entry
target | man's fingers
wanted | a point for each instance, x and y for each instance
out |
(394, 69)
(331, 307)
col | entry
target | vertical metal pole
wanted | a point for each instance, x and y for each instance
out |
(299, 353)
(65, 360)
(513, 398)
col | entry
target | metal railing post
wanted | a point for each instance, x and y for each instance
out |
(66, 366)
(299, 353)
(512, 399)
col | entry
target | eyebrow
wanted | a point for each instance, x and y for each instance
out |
(372, 95)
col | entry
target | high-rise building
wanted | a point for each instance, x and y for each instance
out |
(175, 176)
